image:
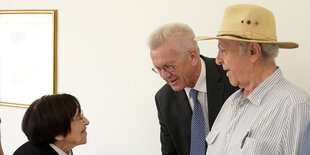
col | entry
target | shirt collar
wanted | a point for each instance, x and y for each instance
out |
(201, 84)
(58, 150)
(259, 92)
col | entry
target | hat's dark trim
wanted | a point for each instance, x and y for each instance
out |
(231, 35)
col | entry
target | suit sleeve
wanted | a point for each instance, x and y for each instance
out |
(167, 146)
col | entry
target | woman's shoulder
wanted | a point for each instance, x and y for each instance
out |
(29, 148)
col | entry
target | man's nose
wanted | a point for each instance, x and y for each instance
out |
(219, 59)
(164, 74)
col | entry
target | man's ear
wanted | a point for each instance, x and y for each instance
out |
(255, 51)
(194, 56)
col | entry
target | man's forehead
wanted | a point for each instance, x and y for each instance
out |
(226, 42)
(164, 51)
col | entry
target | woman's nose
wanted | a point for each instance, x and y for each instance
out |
(86, 121)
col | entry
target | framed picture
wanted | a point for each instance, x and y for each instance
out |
(28, 56)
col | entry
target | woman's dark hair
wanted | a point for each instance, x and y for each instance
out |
(49, 116)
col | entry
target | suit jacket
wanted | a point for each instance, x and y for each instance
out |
(175, 113)
(35, 149)
(305, 149)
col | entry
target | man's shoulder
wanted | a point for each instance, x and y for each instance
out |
(165, 90)
(208, 59)
(167, 94)
(292, 93)
(212, 67)
(216, 74)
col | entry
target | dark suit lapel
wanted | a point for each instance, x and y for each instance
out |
(185, 111)
(215, 89)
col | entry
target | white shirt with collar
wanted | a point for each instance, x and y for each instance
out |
(270, 120)
(201, 87)
(58, 150)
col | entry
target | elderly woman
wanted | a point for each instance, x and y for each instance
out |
(53, 124)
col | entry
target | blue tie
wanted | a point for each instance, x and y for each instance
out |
(197, 128)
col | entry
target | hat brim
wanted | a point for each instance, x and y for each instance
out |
(287, 45)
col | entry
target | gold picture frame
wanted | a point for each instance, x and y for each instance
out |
(28, 56)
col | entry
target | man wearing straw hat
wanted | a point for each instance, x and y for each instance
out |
(268, 115)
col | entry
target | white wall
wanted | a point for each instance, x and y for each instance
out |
(104, 61)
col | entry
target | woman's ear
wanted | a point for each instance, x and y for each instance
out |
(59, 137)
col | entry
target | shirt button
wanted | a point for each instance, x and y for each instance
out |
(227, 135)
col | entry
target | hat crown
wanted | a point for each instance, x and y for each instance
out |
(248, 21)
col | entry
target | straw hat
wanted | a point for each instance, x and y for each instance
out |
(249, 23)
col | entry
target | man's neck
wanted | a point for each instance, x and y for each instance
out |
(258, 75)
(195, 74)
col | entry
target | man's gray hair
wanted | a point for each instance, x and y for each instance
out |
(181, 34)
(269, 51)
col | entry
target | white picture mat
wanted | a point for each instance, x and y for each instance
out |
(26, 57)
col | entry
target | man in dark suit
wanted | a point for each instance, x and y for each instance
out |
(175, 56)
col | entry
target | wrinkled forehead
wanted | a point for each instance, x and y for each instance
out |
(227, 43)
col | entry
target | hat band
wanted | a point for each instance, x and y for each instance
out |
(243, 38)
(231, 35)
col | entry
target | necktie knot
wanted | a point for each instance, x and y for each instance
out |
(193, 93)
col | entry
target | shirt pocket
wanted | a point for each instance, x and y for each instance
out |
(249, 145)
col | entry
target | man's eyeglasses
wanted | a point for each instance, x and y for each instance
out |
(167, 68)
